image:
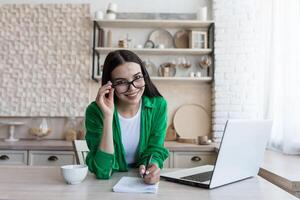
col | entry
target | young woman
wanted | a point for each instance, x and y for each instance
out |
(126, 125)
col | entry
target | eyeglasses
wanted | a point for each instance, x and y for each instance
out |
(122, 86)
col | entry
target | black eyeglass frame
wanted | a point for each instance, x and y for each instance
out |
(128, 83)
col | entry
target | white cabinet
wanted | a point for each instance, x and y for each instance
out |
(51, 158)
(28, 157)
(8, 157)
(187, 159)
(193, 159)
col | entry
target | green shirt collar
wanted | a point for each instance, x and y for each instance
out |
(146, 102)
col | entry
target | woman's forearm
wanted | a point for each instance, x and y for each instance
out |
(107, 143)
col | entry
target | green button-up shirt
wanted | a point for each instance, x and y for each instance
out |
(152, 135)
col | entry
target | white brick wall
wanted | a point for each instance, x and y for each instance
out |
(44, 59)
(236, 53)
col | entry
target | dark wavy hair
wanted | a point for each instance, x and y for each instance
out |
(119, 57)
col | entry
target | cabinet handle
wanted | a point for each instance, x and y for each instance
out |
(4, 157)
(196, 159)
(52, 158)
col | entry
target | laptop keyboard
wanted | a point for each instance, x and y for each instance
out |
(201, 177)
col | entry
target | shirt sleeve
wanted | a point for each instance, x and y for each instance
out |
(157, 137)
(99, 162)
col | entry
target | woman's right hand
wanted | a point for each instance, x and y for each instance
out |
(106, 102)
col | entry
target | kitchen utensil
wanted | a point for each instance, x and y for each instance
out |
(191, 121)
(162, 37)
(149, 44)
(167, 70)
(181, 39)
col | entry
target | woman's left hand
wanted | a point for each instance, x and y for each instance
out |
(152, 174)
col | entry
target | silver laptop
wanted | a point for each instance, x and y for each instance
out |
(240, 156)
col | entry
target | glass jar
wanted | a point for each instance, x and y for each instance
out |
(40, 128)
(70, 129)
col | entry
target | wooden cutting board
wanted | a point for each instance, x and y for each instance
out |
(191, 121)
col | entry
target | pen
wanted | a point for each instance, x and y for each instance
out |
(148, 165)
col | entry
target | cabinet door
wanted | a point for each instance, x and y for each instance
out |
(193, 159)
(13, 157)
(51, 158)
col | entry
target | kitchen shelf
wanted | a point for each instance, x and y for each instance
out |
(158, 51)
(146, 23)
(201, 79)
(157, 78)
(207, 26)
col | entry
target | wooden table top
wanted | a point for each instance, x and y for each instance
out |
(282, 170)
(32, 182)
(62, 145)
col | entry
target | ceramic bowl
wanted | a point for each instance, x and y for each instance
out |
(74, 174)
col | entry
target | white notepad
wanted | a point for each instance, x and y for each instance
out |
(134, 185)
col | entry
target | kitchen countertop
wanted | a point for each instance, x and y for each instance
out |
(176, 146)
(282, 170)
(62, 145)
(58, 145)
(36, 182)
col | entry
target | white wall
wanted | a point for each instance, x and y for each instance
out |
(173, 6)
(237, 52)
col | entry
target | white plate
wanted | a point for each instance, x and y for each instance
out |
(162, 37)
(191, 121)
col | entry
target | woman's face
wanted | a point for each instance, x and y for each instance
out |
(128, 81)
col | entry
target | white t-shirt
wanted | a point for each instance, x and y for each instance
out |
(130, 132)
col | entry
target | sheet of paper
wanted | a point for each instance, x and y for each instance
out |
(134, 185)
